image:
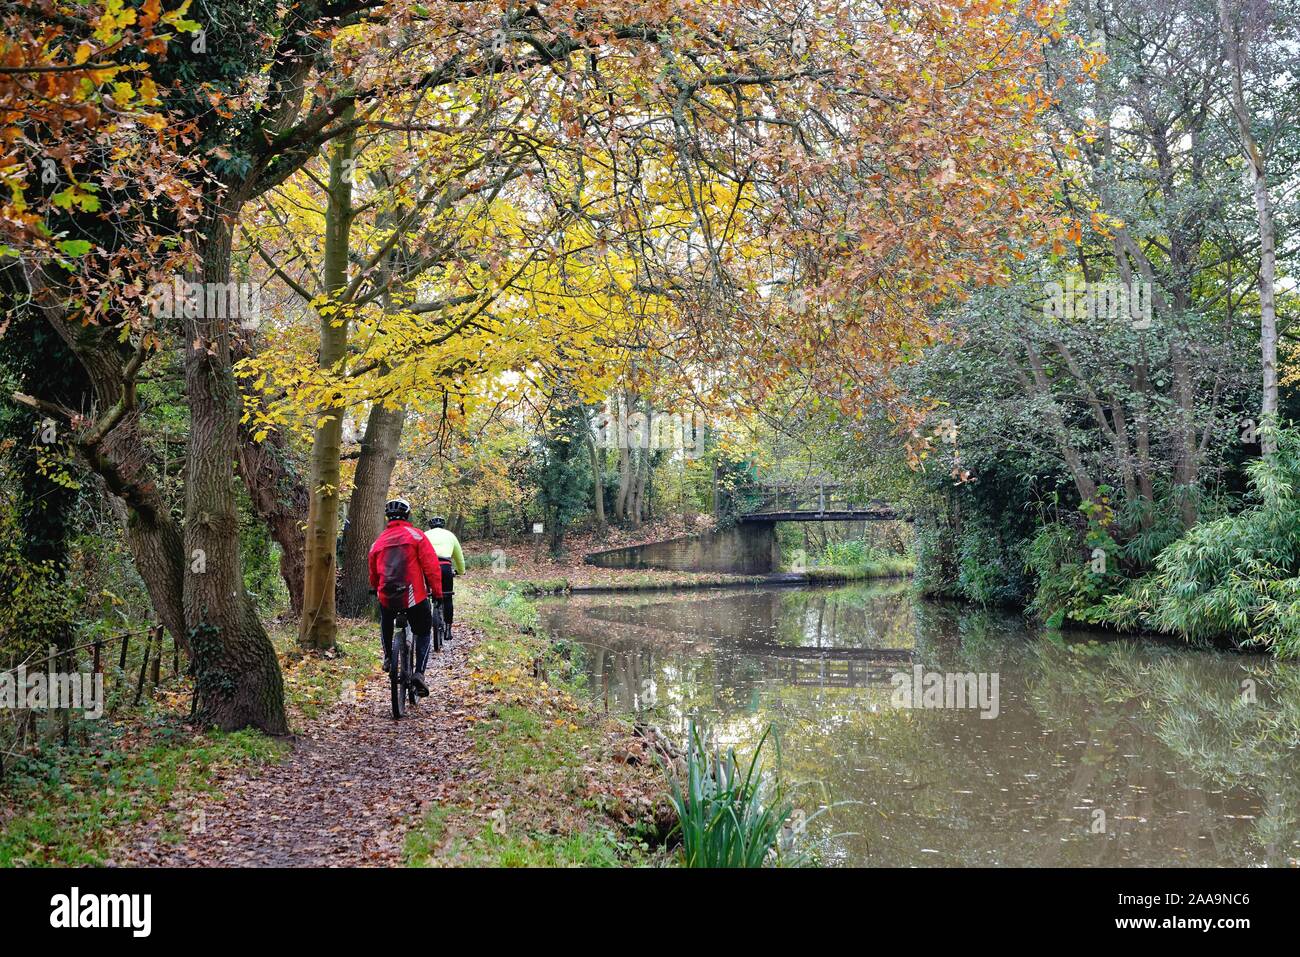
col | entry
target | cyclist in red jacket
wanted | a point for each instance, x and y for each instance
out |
(402, 561)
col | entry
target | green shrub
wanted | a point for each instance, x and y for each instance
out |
(848, 553)
(485, 560)
(986, 573)
(1236, 577)
(936, 569)
(37, 600)
(1059, 558)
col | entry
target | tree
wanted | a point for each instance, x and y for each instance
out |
(1158, 211)
(98, 193)
(1257, 170)
(725, 151)
(561, 471)
(318, 622)
(194, 578)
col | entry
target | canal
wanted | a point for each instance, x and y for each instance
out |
(937, 734)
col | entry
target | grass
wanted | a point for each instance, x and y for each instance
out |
(504, 847)
(314, 682)
(660, 580)
(551, 795)
(893, 566)
(543, 586)
(68, 806)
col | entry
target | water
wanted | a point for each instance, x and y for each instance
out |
(1101, 752)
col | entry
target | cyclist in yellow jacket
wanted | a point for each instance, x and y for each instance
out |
(450, 557)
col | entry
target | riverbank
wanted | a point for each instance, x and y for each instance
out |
(558, 782)
(518, 766)
(536, 573)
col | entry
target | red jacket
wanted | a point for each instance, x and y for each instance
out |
(401, 561)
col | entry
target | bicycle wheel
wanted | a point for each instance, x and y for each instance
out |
(397, 676)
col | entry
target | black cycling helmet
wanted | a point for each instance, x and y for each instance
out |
(437, 522)
(397, 508)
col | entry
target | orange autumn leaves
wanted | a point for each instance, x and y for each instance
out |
(803, 188)
(86, 150)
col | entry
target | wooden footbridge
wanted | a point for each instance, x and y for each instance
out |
(814, 501)
(749, 547)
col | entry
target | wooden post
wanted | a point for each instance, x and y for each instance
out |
(68, 666)
(176, 657)
(144, 666)
(99, 664)
(121, 659)
(157, 655)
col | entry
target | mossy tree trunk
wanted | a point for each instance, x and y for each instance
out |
(319, 623)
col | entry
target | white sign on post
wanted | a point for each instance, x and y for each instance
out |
(537, 528)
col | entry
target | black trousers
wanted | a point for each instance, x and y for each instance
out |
(448, 583)
(420, 618)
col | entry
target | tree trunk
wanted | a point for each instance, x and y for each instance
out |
(237, 676)
(1038, 385)
(632, 510)
(1267, 235)
(637, 494)
(280, 499)
(713, 489)
(319, 624)
(366, 507)
(624, 482)
(597, 483)
(556, 532)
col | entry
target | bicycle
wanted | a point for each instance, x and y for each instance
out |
(401, 667)
(441, 630)
(442, 626)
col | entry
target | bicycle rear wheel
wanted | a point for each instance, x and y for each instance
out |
(397, 676)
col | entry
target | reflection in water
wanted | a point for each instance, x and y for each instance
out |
(1114, 753)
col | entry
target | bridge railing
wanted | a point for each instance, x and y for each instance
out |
(810, 497)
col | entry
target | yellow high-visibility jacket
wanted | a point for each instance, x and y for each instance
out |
(447, 545)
